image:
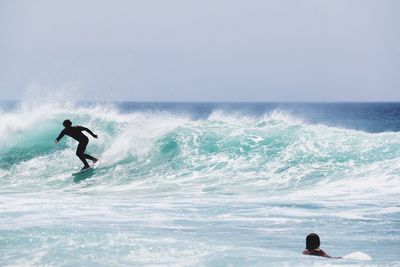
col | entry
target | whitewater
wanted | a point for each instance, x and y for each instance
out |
(200, 184)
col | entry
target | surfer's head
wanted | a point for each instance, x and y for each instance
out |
(67, 123)
(312, 241)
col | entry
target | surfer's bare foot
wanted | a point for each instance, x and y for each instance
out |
(95, 160)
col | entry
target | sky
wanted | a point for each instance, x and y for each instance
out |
(208, 50)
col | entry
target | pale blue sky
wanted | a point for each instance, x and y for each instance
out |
(209, 50)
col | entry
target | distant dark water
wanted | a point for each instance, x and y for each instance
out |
(369, 117)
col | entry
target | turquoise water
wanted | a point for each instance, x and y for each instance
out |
(200, 185)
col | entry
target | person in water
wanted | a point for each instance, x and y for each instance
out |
(312, 247)
(76, 133)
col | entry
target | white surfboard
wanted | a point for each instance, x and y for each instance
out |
(358, 255)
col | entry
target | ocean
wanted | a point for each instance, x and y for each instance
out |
(200, 184)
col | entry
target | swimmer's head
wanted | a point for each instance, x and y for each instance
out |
(312, 241)
(67, 123)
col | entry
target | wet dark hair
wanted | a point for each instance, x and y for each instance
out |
(312, 241)
(67, 123)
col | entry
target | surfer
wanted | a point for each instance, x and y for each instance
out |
(76, 133)
(312, 247)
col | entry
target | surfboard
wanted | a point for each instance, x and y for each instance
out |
(358, 255)
(91, 167)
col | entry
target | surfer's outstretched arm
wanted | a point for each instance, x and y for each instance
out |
(61, 135)
(88, 130)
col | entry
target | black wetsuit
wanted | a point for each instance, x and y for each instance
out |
(76, 133)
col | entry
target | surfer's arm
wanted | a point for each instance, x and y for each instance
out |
(327, 256)
(88, 130)
(61, 135)
(323, 254)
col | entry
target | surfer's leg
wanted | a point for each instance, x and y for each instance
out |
(80, 153)
(87, 156)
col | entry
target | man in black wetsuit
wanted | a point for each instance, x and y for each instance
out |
(76, 133)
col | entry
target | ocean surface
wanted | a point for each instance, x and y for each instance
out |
(200, 184)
